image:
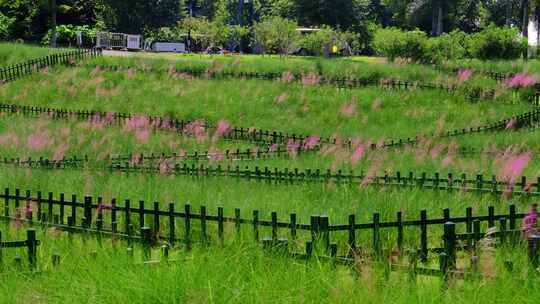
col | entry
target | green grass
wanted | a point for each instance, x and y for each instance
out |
(304, 110)
(237, 273)
(16, 53)
(241, 272)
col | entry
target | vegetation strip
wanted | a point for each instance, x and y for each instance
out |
(450, 182)
(92, 214)
(523, 120)
(341, 82)
(31, 66)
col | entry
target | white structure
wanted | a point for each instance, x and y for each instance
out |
(169, 47)
(122, 41)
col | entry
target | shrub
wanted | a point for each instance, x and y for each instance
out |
(277, 35)
(205, 33)
(453, 45)
(67, 35)
(5, 26)
(497, 43)
(394, 43)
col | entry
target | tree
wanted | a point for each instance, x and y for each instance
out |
(53, 9)
(276, 35)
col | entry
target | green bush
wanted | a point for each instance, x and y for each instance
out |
(5, 25)
(394, 43)
(497, 43)
(66, 35)
(453, 45)
(277, 35)
(321, 42)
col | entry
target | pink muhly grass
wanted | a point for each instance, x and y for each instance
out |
(464, 75)
(311, 142)
(376, 105)
(223, 128)
(287, 77)
(292, 147)
(436, 151)
(357, 154)
(164, 168)
(521, 80)
(514, 167)
(38, 141)
(215, 155)
(60, 152)
(511, 123)
(135, 159)
(311, 79)
(348, 110)
(197, 129)
(142, 136)
(281, 98)
(273, 148)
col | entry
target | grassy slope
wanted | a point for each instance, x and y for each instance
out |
(15, 53)
(238, 273)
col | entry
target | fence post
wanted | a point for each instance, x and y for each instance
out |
(502, 222)
(203, 224)
(187, 211)
(423, 236)
(325, 232)
(256, 225)
(293, 226)
(237, 224)
(376, 234)
(73, 207)
(87, 211)
(31, 243)
(6, 202)
(220, 225)
(314, 224)
(450, 243)
(533, 250)
(352, 233)
(400, 231)
(171, 225)
(146, 242)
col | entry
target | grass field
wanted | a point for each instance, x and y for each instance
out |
(241, 271)
(16, 53)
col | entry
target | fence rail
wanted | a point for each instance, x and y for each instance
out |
(342, 82)
(436, 181)
(259, 136)
(14, 72)
(115, 217)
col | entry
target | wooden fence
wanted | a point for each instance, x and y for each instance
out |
(341, 82)
(435, 181)
(14, 72)
(30, 243)
(258, 136)
(115, 216)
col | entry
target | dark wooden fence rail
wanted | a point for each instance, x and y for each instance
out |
(14, 72)
(456, 182)
(342, 82)
(30, 243)
(258, 136)
(187, 225)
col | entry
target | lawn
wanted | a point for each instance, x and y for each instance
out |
(240, 270)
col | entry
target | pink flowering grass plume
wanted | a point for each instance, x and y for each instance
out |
(215, 155)
(282, 98)
(196, 128)
(222, 129)
(511, 123)
(357, 154)
(273, 148)
(348, 109)
(293, 147)
(135, 159)
(164, 168)
(39, 140)
(514, 167)
(464, 75)
(522, 80)
(311, 79)
(530, 221)
(60, 152)
(436, 151)
(377, 104)
(287, 77)
(311, 142)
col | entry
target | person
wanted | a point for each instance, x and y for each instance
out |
(530, 222)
